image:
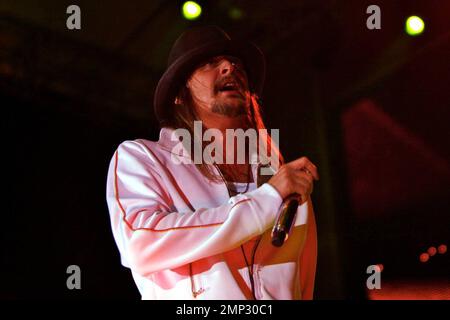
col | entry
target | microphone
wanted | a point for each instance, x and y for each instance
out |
(285, 219)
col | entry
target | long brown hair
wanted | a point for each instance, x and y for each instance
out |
(183, 116)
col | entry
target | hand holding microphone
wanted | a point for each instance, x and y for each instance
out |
(294, 182)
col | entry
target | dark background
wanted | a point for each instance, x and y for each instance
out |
(370, 107)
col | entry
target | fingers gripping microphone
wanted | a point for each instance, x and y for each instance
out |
(285, 220)
(286, 216)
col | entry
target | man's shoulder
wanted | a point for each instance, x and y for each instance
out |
(140, 145)
(165, 147)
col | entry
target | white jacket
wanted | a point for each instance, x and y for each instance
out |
(181, 234)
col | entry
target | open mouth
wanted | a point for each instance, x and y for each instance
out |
(230, 86)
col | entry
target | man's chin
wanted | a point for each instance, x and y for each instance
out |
(235, 100)
(231, 109)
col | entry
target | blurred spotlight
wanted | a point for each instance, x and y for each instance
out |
(442, 249)
(431, 251)
(380, 265)
(191, 10)
(424, 257)
(414, 26)
(235, 13)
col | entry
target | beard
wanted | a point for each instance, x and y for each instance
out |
(231, 106)
(234, 108)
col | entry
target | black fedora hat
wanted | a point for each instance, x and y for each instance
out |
(195, 46)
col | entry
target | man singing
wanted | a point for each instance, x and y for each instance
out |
(190, 230)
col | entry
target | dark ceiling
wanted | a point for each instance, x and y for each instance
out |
(143, 31)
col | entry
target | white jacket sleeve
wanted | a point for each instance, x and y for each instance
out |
(152, 238)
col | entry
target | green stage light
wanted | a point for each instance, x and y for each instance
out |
(414, 26)
(235, 13)
(191, 10)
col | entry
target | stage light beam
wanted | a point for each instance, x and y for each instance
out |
(191, 10)
(414, 26)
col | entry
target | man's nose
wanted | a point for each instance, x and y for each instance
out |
(226, 67)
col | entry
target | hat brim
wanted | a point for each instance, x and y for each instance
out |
(178, 72)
